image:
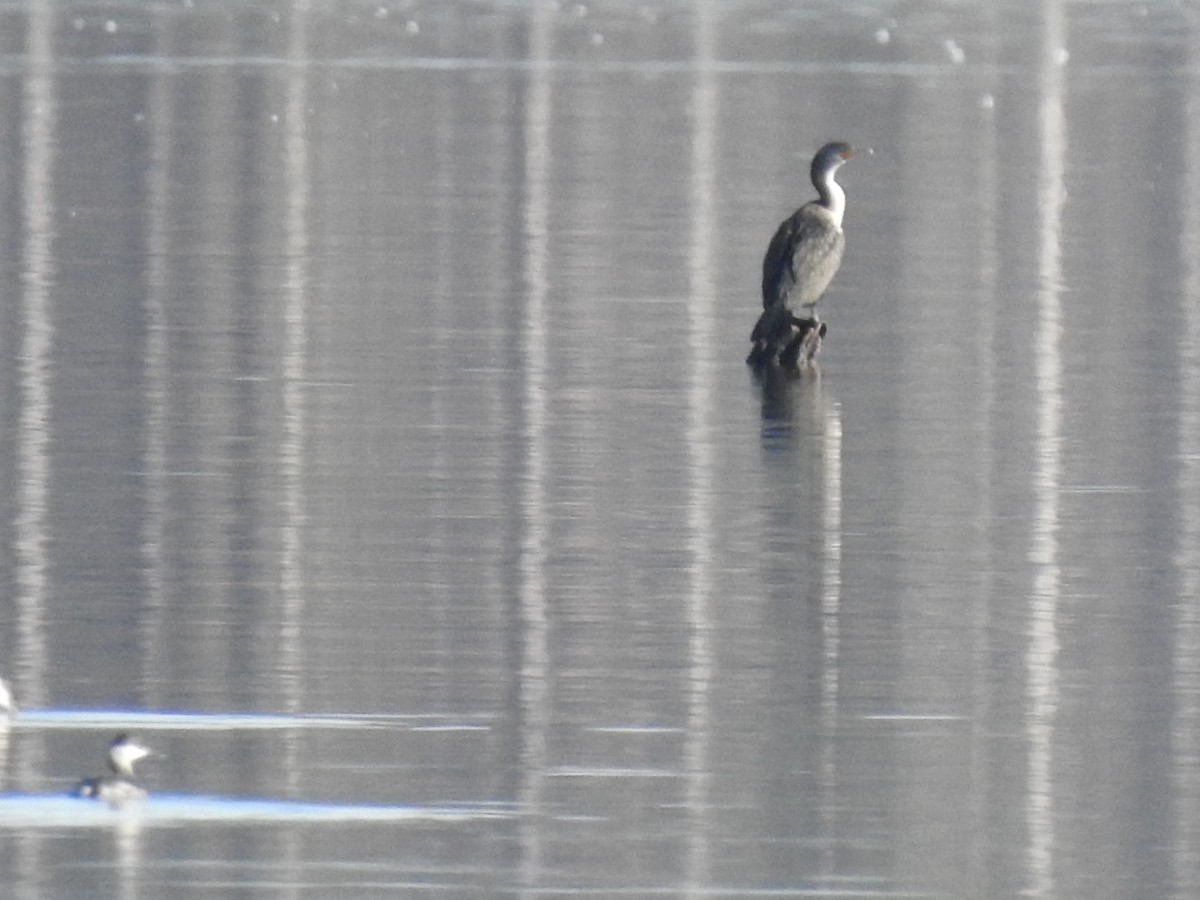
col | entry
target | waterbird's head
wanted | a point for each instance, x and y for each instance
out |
(124, 751)
(833, 156)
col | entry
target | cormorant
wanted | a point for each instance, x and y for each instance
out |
(800, 261)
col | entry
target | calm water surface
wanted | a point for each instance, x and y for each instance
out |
(377, 444)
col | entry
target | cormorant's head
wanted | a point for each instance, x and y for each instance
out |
(830, 157)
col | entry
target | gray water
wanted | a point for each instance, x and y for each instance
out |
(376, 443)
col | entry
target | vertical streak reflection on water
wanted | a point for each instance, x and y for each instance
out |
(33, 430)
(37, 342)
(831, 601)
(155, 371)
(128, 846)
(701, 331)
(533, 688)
(294, 359)
(297, 178)
(1042, 653)
(1185, 737)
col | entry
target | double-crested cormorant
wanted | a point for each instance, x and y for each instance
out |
(802, 259)
(118, 788)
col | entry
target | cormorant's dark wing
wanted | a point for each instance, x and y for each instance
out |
(805, 252)
(773, 328)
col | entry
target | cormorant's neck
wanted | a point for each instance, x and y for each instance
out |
(833, 198)
(121, 760)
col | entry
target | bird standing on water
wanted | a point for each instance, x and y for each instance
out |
(801, 260)
(118, 788)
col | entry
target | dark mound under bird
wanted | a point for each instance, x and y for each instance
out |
(799, 264)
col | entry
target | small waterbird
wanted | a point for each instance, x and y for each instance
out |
(118, 788)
